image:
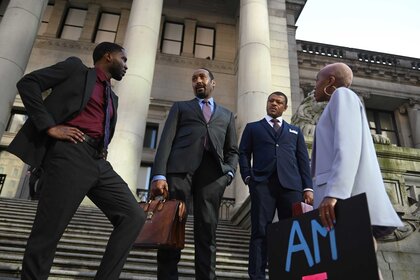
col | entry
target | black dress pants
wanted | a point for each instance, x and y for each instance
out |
(72, 171)
(206, 186)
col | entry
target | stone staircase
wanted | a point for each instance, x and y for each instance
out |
(83, 243)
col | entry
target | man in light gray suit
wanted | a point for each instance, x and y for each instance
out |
(344, 160)
(196, 157)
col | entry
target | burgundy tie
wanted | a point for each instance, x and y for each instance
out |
(206, 110)
(276, 125)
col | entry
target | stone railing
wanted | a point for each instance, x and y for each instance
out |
(357, 54)
(2, 179)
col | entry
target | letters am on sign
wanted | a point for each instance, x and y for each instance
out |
(300, 247)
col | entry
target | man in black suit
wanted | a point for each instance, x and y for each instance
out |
(278, 176)
(196, 157)
(66, 135)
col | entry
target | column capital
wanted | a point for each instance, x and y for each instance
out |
(414, 102)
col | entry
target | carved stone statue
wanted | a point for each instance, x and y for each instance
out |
(307, 115)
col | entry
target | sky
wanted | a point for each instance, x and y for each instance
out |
(386, 26)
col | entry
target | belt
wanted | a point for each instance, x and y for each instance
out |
(94, 142)
(98, 145)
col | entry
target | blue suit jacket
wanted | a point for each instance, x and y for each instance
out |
(284, 152)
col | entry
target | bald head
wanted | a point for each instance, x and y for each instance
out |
(330, 78)
(342, 73)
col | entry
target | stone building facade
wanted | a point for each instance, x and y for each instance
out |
(252, 50)
(250, 46)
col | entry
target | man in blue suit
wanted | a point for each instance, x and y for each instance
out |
(278, 177)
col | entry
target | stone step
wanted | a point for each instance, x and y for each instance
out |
(27, 216)
(23, 232)
(80, 250)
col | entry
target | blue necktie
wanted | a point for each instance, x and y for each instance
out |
(107, 108)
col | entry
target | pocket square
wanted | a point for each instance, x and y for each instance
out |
(293, 131)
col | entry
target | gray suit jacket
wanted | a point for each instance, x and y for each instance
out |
(182, 142)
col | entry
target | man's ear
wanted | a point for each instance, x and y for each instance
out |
(108, 56)
(213, 83)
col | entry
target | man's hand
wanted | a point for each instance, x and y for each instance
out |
(159, 187)
(67, 133)
(327, 213)
(308, 197)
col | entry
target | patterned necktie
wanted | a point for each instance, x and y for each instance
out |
(206, 110)
(207, 115)
(107, 109)
(276, 125)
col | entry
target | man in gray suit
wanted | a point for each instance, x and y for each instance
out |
(196, 158)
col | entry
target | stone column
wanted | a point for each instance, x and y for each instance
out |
(134, 90)
(18, 30)
(414, 118)
(254, 70)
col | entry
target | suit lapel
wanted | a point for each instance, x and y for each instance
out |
(284, 127)
(197, 109)
(268, 127)
(215, 111)
(90, 83)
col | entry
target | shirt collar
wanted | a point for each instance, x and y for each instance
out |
(210, 100)
(101, 76)
(268, 119)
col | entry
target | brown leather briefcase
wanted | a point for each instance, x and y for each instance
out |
(164, 226)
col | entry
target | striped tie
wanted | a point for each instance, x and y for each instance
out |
(276, 125)
(206, 110)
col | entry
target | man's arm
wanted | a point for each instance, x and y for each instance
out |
(32, 85)
(304, 170)
(245, 153)
(159, 184)
(165, 143)
(302, 158)
(231, 153)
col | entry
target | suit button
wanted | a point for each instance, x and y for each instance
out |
(277, 145)
(208, 125)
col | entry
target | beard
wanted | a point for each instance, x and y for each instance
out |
(201, 93)
(116, 72)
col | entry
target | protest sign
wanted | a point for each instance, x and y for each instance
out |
(302, 249)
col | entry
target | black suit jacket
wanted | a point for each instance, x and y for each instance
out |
(182, 142)
(71, 84)
(284, 152)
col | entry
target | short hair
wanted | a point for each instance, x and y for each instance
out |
(279, 93)
(210, 73)
(105, 47)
